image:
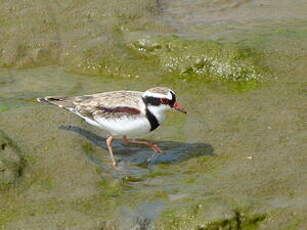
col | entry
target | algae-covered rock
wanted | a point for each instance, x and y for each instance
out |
(202, 58)
(11, 163)
(215, 213)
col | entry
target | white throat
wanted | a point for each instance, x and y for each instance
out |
(158, 111)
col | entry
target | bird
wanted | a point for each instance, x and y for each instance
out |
(122, 113)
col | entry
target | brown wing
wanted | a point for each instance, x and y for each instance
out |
(115, 112)
(107, 105)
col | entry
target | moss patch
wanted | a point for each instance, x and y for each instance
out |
(215, 213)
(207, 59)
(11, 162)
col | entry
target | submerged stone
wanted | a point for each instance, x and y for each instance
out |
(11, 163)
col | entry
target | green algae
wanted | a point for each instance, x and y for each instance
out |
(157, 174)
(225, 215)
(11, 161)
(4, 108)
(111, 189)
(189, 180)
(114, 61)
(207, 59)
(238, 222)
(128, 179)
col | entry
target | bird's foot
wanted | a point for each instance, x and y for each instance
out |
(114, 164)
(156, 148)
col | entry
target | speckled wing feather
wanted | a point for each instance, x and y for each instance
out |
(107, 105)
(101, 105)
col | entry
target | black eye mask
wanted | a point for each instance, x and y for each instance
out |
(152, 101)
(172, 102)
(158, 101)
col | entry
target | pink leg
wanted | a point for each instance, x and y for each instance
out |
(109, 144)
(154, 147)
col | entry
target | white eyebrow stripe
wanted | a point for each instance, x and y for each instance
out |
(158, 95)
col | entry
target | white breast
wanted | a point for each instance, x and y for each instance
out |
(130, 126)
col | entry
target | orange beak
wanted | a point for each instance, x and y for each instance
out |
(179, 107)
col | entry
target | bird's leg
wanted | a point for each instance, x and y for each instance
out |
(154, 147)
(109, 144)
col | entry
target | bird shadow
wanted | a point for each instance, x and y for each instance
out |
(173, 151)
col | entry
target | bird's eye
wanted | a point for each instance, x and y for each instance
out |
(164, 101)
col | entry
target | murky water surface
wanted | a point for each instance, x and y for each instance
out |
(234, 150)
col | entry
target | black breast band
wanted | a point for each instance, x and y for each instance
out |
(154, 123)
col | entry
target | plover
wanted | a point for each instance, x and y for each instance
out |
(121, 113)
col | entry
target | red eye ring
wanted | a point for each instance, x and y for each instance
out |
(164, 100)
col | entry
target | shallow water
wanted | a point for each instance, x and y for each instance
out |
(233, 20)
(238, 154)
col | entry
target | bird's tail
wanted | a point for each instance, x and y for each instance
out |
(60, 101)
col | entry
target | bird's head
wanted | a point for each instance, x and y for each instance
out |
(159, 99)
